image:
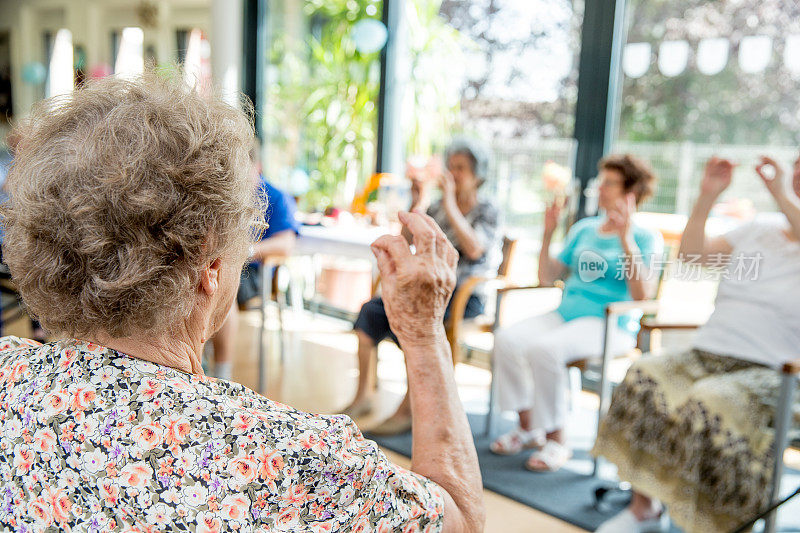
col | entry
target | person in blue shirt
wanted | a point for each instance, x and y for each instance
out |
(277, 241)
(606, 258)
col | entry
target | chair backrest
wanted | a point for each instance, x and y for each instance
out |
(509, 247)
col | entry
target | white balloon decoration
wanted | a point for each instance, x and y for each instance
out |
(712, 55)
(636, 59)
(791, 54)
(673, 57)
(755, 53)
(369, 35)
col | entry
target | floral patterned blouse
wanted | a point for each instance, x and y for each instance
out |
(95, 440)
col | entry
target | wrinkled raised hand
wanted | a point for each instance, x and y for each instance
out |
(419, 193)
(796, 177)
(717, 176)
(416, 287)
(448, 186)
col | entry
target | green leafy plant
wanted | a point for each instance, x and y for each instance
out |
(323, 93)
(433, 93)
(326, 94)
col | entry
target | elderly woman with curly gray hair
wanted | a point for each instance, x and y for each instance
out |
(471, 223)
(130, 219)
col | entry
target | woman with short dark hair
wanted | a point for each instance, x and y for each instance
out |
(605, 258)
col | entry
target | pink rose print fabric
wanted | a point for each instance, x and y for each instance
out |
(94, 440)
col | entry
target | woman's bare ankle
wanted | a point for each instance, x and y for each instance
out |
(526, 421)
(556, 435)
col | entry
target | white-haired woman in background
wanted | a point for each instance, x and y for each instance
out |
(471, 224)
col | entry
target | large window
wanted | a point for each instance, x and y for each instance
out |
(517, 93)
(322, 80)
(504, 71)
(710, 77)
(516, 89)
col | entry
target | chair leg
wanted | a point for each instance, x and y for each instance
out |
(374, 368)
(266, 289)
(495, 327)
(574, 387)
(281, 282)
(487, 431)
(605, 386)
(783, 422)
(280, 327)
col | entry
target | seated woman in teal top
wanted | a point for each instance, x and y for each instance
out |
(605, 259)
(599, 269)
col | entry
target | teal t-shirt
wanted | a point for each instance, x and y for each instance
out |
(598, 269)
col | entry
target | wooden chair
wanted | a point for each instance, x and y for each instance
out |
(789, 372)
(457, 324)
(612, 313)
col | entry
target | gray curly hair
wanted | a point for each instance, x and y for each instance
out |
(475, 151)
(121, 194)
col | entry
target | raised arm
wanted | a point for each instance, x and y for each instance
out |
(550, 269)
(468, 241)
(694, 244)
(420, 194)
(416, 289)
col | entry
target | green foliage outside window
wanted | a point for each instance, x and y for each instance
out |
(323, 94)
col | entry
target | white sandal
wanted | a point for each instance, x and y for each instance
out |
(626, 522)
(553, 455)
(517, 440)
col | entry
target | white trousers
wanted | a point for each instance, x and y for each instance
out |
(531, 357)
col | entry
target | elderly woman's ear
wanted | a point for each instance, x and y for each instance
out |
(210, 277)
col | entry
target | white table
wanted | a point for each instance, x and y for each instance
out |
(349, 241)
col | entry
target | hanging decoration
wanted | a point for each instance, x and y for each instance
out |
(636, 59)
(62, 77)
(100, 70)
(791, 54)
(712, 55)
(369, 35)
(673, 57)
(755, 53)
(34, 73)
